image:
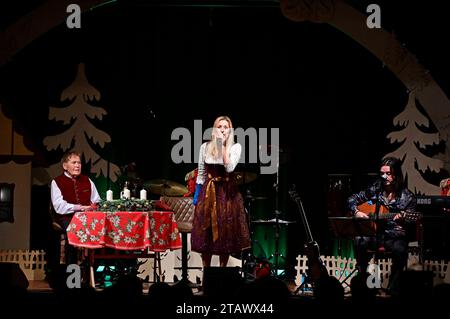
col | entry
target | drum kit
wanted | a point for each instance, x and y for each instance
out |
(165, 187)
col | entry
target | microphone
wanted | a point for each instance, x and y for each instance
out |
(379, 184)
(219, 145)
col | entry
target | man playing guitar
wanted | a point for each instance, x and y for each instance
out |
(387, 194)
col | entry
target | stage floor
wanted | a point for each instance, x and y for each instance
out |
(42, 286)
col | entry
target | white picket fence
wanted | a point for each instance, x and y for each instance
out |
(344, 268)
(31, 262)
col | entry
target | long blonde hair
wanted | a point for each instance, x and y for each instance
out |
(212, 145)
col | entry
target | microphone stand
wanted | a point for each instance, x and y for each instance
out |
(277, 254)
(248, 259)
(377, 214)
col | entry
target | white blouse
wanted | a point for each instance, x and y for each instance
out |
(235, 155)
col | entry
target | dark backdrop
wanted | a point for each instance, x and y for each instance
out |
(160, 67)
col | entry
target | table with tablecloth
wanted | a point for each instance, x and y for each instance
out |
(153, 231)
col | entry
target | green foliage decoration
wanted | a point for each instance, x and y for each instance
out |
(125, 205)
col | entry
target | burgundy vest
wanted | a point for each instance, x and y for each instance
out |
(75, 190)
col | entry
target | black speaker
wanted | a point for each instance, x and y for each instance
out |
(12, 277)
(436, 237)
(221, 281)
(416, 284)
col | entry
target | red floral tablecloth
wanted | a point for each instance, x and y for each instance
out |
(155, 230)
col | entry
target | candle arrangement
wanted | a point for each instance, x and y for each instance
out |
(125, 204)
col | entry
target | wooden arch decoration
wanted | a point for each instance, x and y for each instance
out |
(386, 48)
(334, 12)
(36, 23)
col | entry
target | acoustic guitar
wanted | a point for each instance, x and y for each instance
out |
(316, 268)
(369, 208)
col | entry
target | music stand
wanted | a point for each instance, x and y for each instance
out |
(350, 227)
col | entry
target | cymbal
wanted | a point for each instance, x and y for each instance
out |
(284, 153)
(251, 197)
(273, 148)
(245, 177)
(166, 187)
(273, 221)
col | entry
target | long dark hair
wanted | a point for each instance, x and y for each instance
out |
(396, 169)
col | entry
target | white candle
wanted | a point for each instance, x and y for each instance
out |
(109, 195)
(143, 194)
(126, 193)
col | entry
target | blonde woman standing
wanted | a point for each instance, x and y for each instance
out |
(219, 226)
